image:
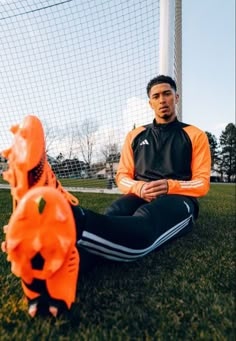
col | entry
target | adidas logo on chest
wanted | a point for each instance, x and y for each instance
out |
(144, 142)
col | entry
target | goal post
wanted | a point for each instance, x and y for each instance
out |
(171, 43)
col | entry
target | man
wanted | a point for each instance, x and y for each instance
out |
(164, 167)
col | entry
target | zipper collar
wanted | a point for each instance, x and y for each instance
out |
(164, 125)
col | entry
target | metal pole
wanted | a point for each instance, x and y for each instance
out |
(178, 54)
(170, 49)
(167, 37)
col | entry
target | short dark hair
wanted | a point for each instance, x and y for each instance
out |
(159, 80)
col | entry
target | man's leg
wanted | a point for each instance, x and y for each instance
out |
(41, 246)
(126, 205)
(127, 238)
(41, 234)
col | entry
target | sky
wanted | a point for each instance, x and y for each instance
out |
(74, 60)
(208, 49)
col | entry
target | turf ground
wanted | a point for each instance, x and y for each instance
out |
(184, 291)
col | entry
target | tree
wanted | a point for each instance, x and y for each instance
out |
(86, 141)
(71, 141)
(50, 137)
(57, 165)
(213, 147)
(227, 153)
(109, 149)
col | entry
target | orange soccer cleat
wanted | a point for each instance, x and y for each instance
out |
(40, 244)
(27, 161)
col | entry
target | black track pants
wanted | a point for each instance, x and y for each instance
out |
(131, 227)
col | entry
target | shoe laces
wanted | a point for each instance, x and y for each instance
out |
(52, 181)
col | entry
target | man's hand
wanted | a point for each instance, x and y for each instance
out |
(151, 190)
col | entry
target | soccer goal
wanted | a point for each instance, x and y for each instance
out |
(82, 67)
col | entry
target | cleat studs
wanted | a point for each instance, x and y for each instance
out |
(23, 132)
(14, 128)
(32, 310)
(41, 204)
(53, 310)
(5, 227)
(4, 247)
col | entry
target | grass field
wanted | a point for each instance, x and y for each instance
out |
(184, 291)
(88, 183)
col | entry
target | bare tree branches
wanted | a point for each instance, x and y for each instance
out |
(86, 140)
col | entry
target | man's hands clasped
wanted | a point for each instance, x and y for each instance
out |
(151, 190)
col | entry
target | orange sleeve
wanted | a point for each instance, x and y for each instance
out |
(125, 172)
(201, 167)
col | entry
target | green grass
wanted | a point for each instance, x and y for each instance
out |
(88, 183)
(184, 291)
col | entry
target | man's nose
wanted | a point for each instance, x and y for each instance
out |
(162, 98)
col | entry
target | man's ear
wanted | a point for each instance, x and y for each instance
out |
(176, 98)
(150, 104)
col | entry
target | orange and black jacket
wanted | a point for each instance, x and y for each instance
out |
(176, 151)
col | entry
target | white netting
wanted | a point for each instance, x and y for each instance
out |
(82, 67)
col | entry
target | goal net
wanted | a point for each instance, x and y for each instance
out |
(82, 67)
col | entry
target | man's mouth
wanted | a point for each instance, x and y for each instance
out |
(164, 109)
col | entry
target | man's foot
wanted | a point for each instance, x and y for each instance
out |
(27, 161)
(40, 244)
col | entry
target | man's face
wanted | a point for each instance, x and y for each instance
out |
(162, 99)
